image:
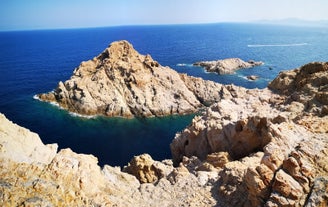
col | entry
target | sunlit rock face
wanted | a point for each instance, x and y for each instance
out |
(122, 82)
(276, 137)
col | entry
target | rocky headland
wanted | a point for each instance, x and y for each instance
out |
(227, 66)
(122, 82)
(250, 147)
(275, 141)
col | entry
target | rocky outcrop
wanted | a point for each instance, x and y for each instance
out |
(227, 66)
(122, 82)
(276, 140)
(146, 170)
(33, 174)
(307, 85)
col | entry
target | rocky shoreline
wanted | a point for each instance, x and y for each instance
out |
(227, 66)
(249, 147)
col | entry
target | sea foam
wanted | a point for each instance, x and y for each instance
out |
(184, 65)
(36, 97)
(82, 116)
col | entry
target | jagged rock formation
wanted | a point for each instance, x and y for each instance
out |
(227, 66)
(307, 85)
(122, 82)
(278, 141)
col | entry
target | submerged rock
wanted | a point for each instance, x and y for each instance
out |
(122, 82)
(252, 77)
(227, 66)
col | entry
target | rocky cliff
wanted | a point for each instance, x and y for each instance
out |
(277, 141)
(227, 66)
(122, 82)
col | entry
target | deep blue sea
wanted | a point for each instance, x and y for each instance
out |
(34, 62)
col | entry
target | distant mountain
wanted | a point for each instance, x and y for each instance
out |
(295, 22)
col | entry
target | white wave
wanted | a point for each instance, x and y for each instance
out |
(181, 64)
(82, 116)
(70, 113)
(36, 97)
(279, 45)
(55, 104)
(243, 77)
(184, 65)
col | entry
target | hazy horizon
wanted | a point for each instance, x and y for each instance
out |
(61, 14)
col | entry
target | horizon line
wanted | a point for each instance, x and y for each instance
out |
(261, 21)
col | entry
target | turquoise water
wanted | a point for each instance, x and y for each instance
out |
(34, 62)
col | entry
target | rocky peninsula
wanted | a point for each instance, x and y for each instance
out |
(227, 66)
(250, 147)
(122, 82)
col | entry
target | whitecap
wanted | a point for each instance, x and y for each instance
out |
(184, 65)
(278, 45)
(36, 97)
(181, 64)
(82, 116)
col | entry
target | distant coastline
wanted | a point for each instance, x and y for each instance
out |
(293, 22)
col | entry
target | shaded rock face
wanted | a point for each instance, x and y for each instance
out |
(227, 66)
(277, 141)
(122, 82)
(227, 126)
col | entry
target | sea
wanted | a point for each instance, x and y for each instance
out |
(33, 62)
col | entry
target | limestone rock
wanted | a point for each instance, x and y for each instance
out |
(215, 161)
(146, 170)
(319, 193)
(122, 82)
(307, 85)
(226, 126)
(24, 146)
(226, 66)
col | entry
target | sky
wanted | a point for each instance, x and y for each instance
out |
(54, 14)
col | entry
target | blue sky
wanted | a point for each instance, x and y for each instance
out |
(45, 14)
